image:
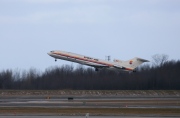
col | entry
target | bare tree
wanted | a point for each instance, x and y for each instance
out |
(159, 59)
(148, 77)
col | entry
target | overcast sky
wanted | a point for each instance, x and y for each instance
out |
(121, 28)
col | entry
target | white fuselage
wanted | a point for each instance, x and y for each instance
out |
(86, 60)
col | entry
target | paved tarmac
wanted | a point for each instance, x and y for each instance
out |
(89, 102)
(86, 102)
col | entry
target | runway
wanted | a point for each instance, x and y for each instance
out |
(89, 102)
(73, 105)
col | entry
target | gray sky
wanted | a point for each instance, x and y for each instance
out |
(121, 28)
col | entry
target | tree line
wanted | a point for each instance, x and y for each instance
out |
(162, 75)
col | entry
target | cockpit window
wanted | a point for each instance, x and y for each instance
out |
(52, 51)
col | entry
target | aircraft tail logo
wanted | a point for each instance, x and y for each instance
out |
(133, 63)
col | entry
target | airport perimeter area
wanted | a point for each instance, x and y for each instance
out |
(95, 102)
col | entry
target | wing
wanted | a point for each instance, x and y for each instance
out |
(96, 65)
(123, 68)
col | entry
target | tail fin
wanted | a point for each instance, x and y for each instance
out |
(133, 63)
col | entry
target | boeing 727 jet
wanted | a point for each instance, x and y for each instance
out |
(129, 65)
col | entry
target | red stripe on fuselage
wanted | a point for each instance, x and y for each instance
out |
(129, 69)
(83, 59)
(88, 60)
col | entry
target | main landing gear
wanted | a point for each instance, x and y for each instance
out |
(96, 69)
(55, 60)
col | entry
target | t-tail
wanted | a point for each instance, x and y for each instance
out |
(135, 62)
(130, 65)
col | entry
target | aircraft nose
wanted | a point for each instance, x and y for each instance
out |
(49, 53)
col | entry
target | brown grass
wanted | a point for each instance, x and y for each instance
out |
(95, 111)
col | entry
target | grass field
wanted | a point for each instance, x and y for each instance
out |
(92, 92)
(92, 111)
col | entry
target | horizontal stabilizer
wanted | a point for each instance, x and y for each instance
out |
(142, 60)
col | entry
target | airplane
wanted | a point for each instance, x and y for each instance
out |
(129, 66)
